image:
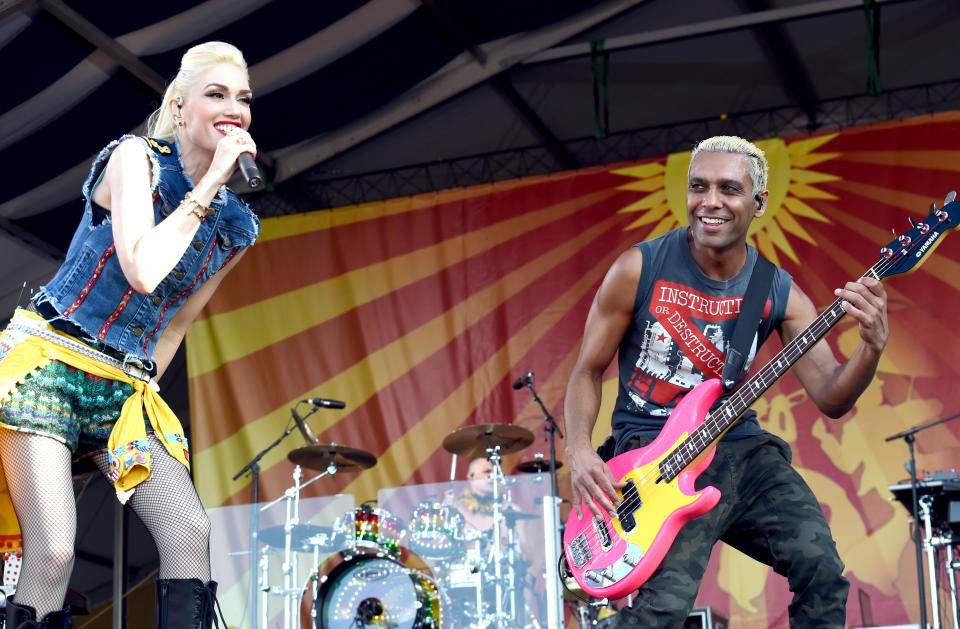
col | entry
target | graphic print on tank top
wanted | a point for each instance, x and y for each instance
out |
(684, 342)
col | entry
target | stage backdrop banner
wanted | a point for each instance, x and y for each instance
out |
(420, 312)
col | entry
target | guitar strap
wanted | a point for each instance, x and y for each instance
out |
(748, 322)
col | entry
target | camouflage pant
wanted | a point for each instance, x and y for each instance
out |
(767, 512)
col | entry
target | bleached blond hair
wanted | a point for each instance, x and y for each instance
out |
(759, 169)
(194, 63)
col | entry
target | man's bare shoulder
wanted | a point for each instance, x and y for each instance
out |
(625, 271)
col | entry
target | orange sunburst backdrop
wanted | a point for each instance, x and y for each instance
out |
(419, 312)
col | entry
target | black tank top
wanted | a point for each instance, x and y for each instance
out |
(682, 323)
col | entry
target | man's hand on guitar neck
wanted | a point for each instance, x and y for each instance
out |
(592, 482)
(866, 301)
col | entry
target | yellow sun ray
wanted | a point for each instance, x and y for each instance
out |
(792, 179)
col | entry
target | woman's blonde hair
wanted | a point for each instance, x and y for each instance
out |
(195, 62)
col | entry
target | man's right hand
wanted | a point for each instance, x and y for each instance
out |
(592, 482)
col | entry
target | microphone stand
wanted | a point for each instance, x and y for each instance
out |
(254, 468)
(553, 429)
(908, 436)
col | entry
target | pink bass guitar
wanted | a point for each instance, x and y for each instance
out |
(613, 556)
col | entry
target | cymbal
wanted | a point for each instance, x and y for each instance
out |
(473, 441)
(302, 536)
(318, 456)
(536, 466)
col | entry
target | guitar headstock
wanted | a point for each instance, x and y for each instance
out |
(909, 250)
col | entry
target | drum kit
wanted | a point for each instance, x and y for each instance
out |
(433, 570)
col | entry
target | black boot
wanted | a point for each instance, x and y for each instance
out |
(58, 620)
(185, 603)
(20, 616)
(24, 617)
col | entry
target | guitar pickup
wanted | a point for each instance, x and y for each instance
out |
(630, 504)
(603, 533)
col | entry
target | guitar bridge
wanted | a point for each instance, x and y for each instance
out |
(580, 550)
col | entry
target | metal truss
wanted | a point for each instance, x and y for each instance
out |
(315, 191)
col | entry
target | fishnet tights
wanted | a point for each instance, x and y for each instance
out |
(39, 479)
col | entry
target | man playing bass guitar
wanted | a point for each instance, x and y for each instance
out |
(669, 305)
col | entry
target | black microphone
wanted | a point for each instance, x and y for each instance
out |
(308, 435)
(523, 380)
(325, 403)
(249, 170)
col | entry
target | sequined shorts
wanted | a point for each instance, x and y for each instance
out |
(67, 404)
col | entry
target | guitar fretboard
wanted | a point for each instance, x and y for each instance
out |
(737, 404)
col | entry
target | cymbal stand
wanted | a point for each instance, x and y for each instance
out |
(511, 576)
(290, 591)
(493, 454)
(518, 585)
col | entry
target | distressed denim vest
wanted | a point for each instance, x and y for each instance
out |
(90, 290)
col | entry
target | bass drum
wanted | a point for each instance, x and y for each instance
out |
(378, 592)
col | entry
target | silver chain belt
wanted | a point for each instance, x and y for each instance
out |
(75, 346)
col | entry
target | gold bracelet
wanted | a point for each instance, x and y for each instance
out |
(196, 208)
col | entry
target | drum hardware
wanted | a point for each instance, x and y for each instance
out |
(331, 459)
(493, 577)
(476, 441)
(492, 441)
(259, 565)
(538, 465)
(303, 537)
(512, 517)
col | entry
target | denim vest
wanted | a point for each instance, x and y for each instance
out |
(90, 290)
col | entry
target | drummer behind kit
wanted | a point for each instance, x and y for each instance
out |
(363, 575)
(486, 579)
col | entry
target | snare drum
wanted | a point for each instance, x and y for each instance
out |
(379, 592)
(436, 530)
(370, 527)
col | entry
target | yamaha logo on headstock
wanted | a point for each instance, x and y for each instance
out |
(927, 244)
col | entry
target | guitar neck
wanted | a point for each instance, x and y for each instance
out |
(737, 404)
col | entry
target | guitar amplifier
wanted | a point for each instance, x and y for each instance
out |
(705, 618)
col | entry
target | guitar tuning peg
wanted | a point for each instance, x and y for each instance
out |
(950, 197)
(894, 232)
(933, 207)
(913, 223)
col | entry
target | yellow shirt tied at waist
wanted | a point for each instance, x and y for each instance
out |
(22, 354)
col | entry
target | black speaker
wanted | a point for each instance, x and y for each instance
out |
(706, 618)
